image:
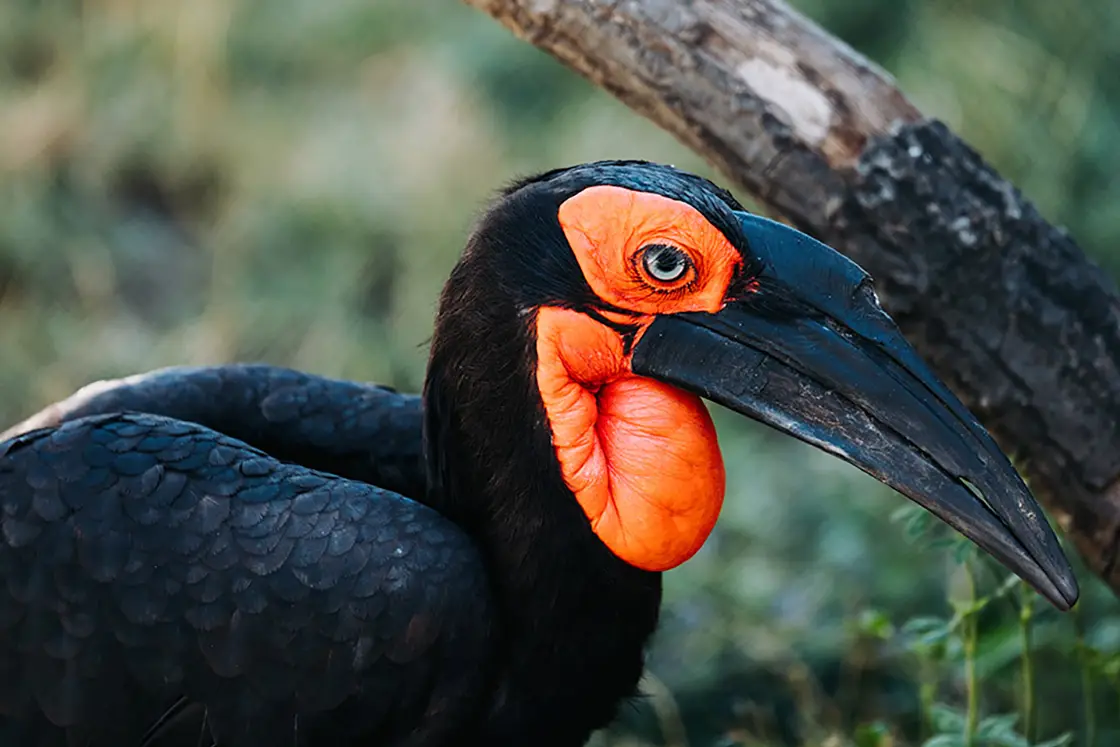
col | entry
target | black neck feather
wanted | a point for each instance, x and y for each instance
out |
(568, 606)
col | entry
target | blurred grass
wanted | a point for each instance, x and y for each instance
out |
(201, 182)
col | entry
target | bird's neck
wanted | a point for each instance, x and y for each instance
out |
(565, 601)
(494, 471)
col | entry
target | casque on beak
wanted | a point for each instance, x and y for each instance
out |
(810, 352)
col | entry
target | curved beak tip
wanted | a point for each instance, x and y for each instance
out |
(1068, 590)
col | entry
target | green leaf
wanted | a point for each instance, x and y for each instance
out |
(875, 623)
(998, 723)
(923, 625)
(945, 740)
(963, 551)
(999, 731)
(1109, 665)
(875, 734)
(966, 607)
(904, 512)
(943, 543)
(915, 520)
(925, 633)
(945, 718)
(918, 525)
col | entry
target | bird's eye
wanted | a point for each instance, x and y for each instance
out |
(665, 263)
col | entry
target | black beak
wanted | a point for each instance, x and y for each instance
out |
(809, 351)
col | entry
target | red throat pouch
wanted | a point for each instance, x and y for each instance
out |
(640, 456)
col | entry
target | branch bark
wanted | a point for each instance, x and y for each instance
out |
(1005, 306)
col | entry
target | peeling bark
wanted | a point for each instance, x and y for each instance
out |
(1005, 307)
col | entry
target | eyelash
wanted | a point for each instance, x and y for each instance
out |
(677, 289)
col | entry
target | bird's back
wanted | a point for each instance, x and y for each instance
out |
(364, 432)
(165, 583)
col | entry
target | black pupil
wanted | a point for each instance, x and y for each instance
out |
(665, 262)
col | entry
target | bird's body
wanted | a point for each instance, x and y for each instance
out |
(207, 569)
(247, 555)
(179, 452)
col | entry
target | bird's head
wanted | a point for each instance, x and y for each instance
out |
(614, 295)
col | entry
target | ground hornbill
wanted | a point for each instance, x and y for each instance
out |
(247, 555)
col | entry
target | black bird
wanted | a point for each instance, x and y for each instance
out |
(247, 555)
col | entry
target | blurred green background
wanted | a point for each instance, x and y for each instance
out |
(291, 181)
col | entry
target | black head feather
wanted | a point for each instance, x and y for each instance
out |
(528, 254)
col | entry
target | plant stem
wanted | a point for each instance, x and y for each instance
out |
(927, 694)
(1090, 713)
(1026, 613)
(971, 634)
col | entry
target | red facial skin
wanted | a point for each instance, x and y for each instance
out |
(640, 456)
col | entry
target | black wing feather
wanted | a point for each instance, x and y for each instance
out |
(363, 432)
(145, 559)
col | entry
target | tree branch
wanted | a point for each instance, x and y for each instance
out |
(1005, 307)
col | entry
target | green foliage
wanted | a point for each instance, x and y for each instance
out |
(206, 181)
